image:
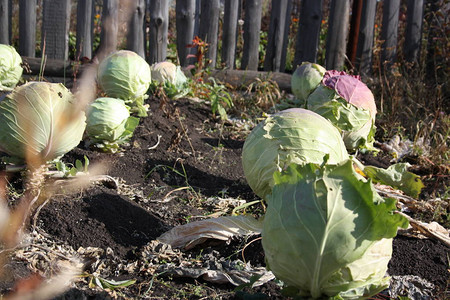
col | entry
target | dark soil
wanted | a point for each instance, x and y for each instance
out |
(194, 160)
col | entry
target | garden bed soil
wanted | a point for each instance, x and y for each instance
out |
(177, 160)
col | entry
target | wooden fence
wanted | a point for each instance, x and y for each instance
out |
(222, 24)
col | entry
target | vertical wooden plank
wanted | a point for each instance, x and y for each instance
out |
(230, 21)
(185, 22)
(27, 28)
(5, 22)
(209, 28)
(110, 27)
(286, 36)
(252, 27)
(135, 34)
(337, 34)
(389, 31)
(364, 49)
(85, 29)
(413, 35)
(159, 26)
(355, 22)
(276, 37)
(308, 32)
(55, 28)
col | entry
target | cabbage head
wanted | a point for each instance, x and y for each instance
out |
(10, 67)
(126, 75)
(327, 233)
(305, 79)
(350, 105)
(171, 78)
(40, 119)
(109, 124)
(294, 135)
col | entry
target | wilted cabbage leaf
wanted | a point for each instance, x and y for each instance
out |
(291, 136)
(126, 75)
(327, 232)
(40, 119)
(10, 67)
(109, 124)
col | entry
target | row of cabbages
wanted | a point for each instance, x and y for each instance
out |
(326, 232)
(44, 119)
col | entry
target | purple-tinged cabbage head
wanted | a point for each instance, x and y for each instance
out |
(294, 135)
(349, 104)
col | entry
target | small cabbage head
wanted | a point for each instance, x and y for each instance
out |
(10, 67)
(109, 124)
(126, 75)
(350, 105)
(40, 119)
(305, 79)
(327, 234)
(294, 135)
(171, 77)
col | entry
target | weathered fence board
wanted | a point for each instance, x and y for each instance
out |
(337, 34)
(363, 60)
(277, 36)
(209, 26)
(230, 23)
(389, 31)
(110, 27)
(185, 22)
(284, 50)
(135, 35)
(5, 21)
(27, 28)
(252, 27)
(85, 29)
(355, 22)
(55, 28)
(158, 29)
(413, 33)
(308, 32)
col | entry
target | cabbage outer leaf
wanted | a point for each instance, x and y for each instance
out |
(291, 136)
(327, 232)
(398, 177)
(40, 119)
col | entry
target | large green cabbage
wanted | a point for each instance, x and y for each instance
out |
(349, 104)
(40, 119)
(10, 67)
(327, 232)
(109, 124)
(291, 136)
(125, 75)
